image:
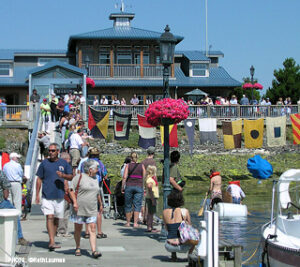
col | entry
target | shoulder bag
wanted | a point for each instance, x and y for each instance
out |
(67, 195)
(186, 231)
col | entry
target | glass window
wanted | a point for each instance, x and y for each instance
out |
(104, 58)
(4, 69)
(137, 58)
(124, 58)
(199, 69)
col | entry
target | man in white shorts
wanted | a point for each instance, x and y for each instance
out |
(51, 173)
(76, 143)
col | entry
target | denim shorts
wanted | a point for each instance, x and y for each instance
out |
(236, 200)
(133, 196)
(181, 248)
(83, 219)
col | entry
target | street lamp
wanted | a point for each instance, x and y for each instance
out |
(87, 64)
(167, 46)
(252, 69)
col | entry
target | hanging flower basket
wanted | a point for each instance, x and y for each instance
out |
(168, 111)
(90, 81)
(247, 85)
(258, 86)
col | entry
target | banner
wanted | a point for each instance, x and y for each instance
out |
(276, 131)
(122, 124)
(147, 133)
(173, 141)
(232, 134)
(189, 125)
(98, 123)
(208, 131)
(254, 132)
(295, 118)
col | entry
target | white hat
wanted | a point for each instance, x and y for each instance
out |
(53, 94)
(14, 155)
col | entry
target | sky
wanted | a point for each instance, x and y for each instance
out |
(262, 33)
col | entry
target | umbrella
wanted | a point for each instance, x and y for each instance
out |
(90, 81)
(258, 86)
(247, 85)
(196, 92)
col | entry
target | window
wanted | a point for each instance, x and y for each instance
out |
(199, 70)
(123, 58)
(104, 58)
(43, 60)
(137, 58)
(5, 70)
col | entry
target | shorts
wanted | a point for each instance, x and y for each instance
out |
(133, 196)
(181, 248)
(83, 219)
(151, 208)
(53, 207)
(75, 155)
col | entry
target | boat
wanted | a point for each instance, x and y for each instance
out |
(281, 236)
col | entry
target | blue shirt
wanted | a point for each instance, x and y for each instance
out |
(53, 185)
(13, 171)
(102, 171)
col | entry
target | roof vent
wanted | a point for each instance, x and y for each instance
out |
(121, 19)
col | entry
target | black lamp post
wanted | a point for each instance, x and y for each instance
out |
(87, 64)
(252, 69)
(167, 47)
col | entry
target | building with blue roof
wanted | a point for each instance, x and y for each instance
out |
(122, 60)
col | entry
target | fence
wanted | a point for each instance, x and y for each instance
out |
(14, 112)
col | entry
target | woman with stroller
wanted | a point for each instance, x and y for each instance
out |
(134, 174)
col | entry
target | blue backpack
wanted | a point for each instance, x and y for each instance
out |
(259, 167)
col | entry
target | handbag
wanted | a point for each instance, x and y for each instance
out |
(67, 195)
(187, 232)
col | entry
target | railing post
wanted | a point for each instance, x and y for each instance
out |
(238, 107)
(208, 111)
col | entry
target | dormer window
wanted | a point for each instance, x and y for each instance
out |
(5, 70)
(199, 70)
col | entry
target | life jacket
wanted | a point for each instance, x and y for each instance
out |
(238, 183)
(214, 174)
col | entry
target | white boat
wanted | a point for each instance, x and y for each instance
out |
(226, 210)
(281, 236)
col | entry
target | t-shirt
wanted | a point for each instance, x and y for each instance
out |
(87, 195)
(174, 172)
(75, 141)
(45, 109)
(135, 177)
(235, 191)
(148, 161)
(155, 189)
(53, 185)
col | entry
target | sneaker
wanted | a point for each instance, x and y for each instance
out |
(59, 234)
(23, 242)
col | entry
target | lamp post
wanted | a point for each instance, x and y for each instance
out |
(252, 69)
(167, 47)
(87, 64)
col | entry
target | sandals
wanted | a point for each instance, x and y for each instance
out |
(96, 254)
(102, 235)
(77, 252)
(86, 236)
(52, 248)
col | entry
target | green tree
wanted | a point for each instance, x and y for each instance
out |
(286, 82)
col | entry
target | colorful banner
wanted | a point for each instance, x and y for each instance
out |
(254, 133)
(208, 131)
(295, 118)
(232, 134)
(147, 133)
(173, 141)
(276, 131)
(189, 125)
(98, 123)
(122, 124)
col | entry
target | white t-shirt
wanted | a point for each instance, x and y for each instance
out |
(75, 141)
(104, 101)
(235, 191)
(82, 99)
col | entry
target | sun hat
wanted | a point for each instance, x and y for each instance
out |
(14, 155)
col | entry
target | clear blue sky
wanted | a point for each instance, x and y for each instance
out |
(262, 33)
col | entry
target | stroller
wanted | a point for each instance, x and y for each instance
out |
(118, 202)
(106, 198)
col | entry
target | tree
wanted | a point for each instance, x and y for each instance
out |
(286, 82)
(239, 91)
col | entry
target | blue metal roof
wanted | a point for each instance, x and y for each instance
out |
(198, 54)
(9, 54)
(6, 54)
(195, 56)
(218, 78)
(57, 63)
(19, 78)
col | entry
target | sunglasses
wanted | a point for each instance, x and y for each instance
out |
(52, 150)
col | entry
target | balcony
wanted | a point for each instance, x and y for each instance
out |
(125, 70)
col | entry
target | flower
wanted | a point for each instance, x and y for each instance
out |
(175, 110)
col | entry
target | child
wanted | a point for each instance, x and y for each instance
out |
(152, 194)
(236, 192)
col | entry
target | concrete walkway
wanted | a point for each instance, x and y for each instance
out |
(123, 247)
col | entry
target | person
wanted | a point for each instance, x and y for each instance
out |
(14, 173)
(51, 173)
(134, 174)
(172, 217)
(123, 102)
(115, 101)
(95, 101)
(62, 229)
(85, 205)
(149, 100)
(82, 98)
(237, 194)
(134, 100)
(5, 186)
(126, 161)
(175, 176)
(152, 195)
(63, 126)
(44, 141)
(233, 102)
(104, 100)
(53, 105)
(244, 100)
(150, 157)
(215, 187)
(60, 107)
(46, 112)
(35, 97)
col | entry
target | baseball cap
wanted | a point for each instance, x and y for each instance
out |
(44, 99)
(14, 155)
(151, 150)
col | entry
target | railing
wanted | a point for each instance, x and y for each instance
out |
(14, 112)
(216, 111)
(125, 70)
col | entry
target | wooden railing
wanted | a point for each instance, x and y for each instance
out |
(216, 111)
(125, 70)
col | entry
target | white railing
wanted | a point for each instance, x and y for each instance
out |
(14, 113)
